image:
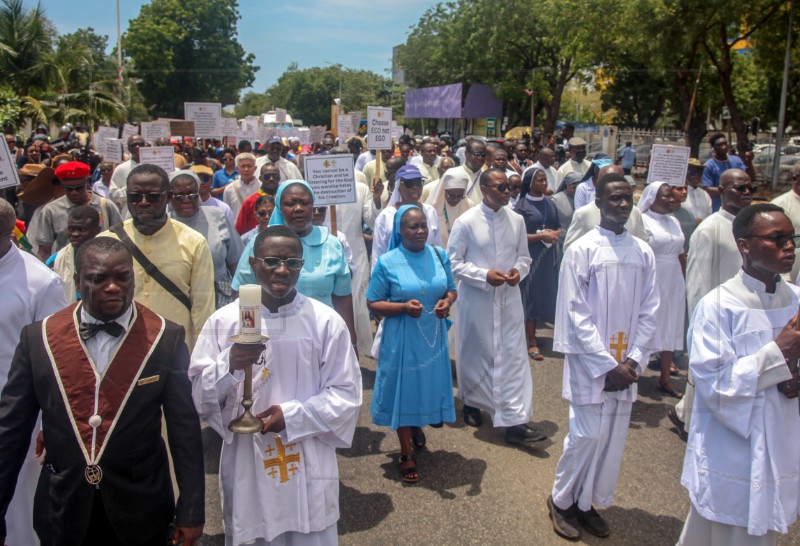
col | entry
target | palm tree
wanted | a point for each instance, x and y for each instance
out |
(26, 38)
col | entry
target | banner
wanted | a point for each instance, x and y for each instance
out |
(434, 102)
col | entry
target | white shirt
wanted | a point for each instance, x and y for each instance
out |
(790, 203)
(698, 202)
(584, 194)
(117, 191)
(237, 191)
(713, 257)
(586, 218)
(102, 346)
(363, 159)
(574, 166)
(288, 170)
(607, 291)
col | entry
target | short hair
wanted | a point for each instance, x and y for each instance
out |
(85, 212)
(228, 151)
(744, 218)
(243, 157)
(148, 169)
(104, 245)
(265, 165)
(244, 144)
(486, 177)
(608, 178)
(278, 230)
(8, 218)
(264, 199)
(472, 143)
(105, 164)
(714, 138)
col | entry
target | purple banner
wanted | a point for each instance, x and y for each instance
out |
(434, 102)
(481, 103)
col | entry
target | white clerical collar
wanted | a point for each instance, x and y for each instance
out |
(754, 284)
(123, 320)
(285, 310)
(727, 215)
(610, 234)
(489, 210)
(529, 197)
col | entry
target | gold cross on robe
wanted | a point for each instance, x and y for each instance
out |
(619, 346)
(281, 461)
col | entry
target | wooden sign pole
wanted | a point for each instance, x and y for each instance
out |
(333, 220)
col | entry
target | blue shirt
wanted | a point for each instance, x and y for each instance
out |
(628, 156)
(222, 179)
(324, 274)
(714, 169)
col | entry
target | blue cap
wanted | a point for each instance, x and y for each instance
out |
(408, 172)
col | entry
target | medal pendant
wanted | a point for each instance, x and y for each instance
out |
(93, 474)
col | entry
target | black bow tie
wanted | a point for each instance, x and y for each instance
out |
(88, 330)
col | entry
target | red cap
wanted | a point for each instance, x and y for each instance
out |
(72, 170)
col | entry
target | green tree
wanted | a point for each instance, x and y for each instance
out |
(187, 52)
(252, 104)
(26, 39)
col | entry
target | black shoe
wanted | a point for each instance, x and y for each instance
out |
(593, 522)
(673, 416)
(472, 416)
(524, 434)
(565, 522)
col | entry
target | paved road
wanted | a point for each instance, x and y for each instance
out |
(475, 489)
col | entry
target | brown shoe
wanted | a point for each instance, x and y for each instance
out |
(565, 522)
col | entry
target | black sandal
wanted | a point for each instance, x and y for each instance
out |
(418, 438)
(408, 475)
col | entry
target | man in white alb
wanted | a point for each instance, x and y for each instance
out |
(243, 187)
(742, 463)
(606, 327)
(790, 203)
(280, 486)
(488, 249)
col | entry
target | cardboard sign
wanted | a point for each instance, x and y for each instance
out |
(280, 115)
(668, 164)
(332, 178)
(111, 150)
(8, 167)
(128, 131)
(181, 128)
(153, 130)
(206, 117)
(162, 156)
(304, 133)
(317, 133)
(345, 126)
(379, 128)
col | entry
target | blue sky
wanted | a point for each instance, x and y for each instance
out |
(355, 33)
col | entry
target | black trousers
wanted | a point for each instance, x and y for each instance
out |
(101, 533)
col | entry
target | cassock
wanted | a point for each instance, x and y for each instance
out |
(30, 293)
(350, 219)
(742, 463)
(605, 313)
(790, 203)
(585, 219)
(289, 482)
(492, 365)
(698, 202)
(288, 169)
(101, 419)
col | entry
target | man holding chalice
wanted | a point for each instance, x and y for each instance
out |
(303, 384)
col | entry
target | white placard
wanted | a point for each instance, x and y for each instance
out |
(379, 128)
(395, 131)
(355, 121)
(280, 115)
(345, 126)
(228, 126)
(8, 167)
(668, 164)
(153, 130)
(162, 156)
(128, 131)
(332, 178)
(111, 149)
(317, 133)
(206, 117)
(304, 134)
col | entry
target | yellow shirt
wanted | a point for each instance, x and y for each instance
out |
(369, 171)
(183, 256)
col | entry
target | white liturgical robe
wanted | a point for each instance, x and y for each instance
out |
(273, 484)
(790, 203)
(698, 202)
(492, 363)
(31, 292)
(605, 312)
(742, 463)
(585, 219)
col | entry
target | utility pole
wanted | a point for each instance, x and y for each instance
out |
(776, 165)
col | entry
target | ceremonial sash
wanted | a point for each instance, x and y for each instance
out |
(95, 401)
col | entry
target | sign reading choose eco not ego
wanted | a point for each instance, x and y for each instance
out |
(379, 128)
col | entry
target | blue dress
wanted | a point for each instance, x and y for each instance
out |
(414, 384)
(324, 274)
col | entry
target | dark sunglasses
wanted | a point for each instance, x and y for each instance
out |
(780, 240)
(262, 213)
(205, 178)
(743, 188)
(186, 197)
(412, 182)
(68, 189)
(153, 197)
(271, 262)
(478, 154)
(270, 177)
(502, 188)
(228, 158)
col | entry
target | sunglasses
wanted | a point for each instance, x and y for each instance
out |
(186, 197)
(152, 197)
(412, 182)
(478, 154)
(68, 189)
(320, 210)
(270, 177)
(271, 262)
(105, 170)
(228, 158)
(780, 240)
(205, 178)
(456, 197)
(743, 188)
(502, 188)
(262, 213)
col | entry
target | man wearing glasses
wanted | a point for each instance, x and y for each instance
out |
(177, 254)
(713, 258)
(50, 232)
(270, 178)
(287, 169)
(475, 156)
(743, 455)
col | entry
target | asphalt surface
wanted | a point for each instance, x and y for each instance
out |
(476, 489)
